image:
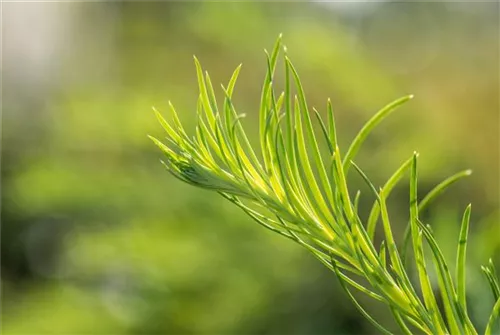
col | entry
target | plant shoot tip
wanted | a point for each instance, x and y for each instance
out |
(219, 157)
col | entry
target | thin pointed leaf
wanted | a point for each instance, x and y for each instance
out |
(368, 127)
(425, 284)
(331, 124)
(325, 131)
(460, 265)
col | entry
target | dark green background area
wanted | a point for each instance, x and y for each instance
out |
(96, 236)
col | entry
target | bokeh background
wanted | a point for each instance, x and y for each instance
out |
(97, 238)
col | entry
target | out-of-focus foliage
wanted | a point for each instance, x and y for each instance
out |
(97, 239)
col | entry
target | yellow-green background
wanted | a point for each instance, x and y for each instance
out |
(97, 238)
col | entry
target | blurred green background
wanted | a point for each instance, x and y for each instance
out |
(97, 238)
